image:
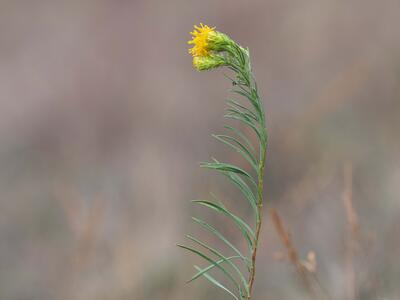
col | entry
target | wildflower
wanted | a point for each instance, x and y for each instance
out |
(213, 49)
(200, 40)
(202, 63)
(206, 40)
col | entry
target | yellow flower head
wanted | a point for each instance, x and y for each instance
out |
(210, 47)
(200, 40)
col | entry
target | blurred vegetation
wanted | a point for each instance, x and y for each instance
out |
(99, 109)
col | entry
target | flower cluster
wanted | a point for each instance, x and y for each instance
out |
(208, 47)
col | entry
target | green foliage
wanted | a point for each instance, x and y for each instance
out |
(249, 112)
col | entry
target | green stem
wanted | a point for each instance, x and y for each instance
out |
(260, 187)
(259, 219)
(239, 62)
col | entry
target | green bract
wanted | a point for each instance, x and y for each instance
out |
(203, 63)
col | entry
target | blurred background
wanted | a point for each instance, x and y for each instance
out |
(103, 121)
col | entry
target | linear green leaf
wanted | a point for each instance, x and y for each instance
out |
(240, 112)
(210, 267)
(241, 135)
(210, 260)
(244, 228)
(243, 115)
(245, 189)
(250, 124)
(224, 167)
(218, 284)
(210, 228)
(239, 147)
(220, 206)
(237, 105)
(248, 95)
(221, 256)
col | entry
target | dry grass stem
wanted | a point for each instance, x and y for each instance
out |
(352, 232)
(292, 253)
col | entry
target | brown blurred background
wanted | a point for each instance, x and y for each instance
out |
(103, 122)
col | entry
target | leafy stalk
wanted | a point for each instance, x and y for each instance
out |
(248, 88)
(213, 49)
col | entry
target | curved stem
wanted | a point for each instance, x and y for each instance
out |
(249, 81)
(259, 219)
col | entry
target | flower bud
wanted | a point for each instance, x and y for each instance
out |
(202, 63)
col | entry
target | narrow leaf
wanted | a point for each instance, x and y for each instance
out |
(237, 105)
(250, 124)
(221, 256)
(241, 135)
(240, 112)
(216, 283)
(248, 95)
(245, 189)
(239, 147)
(224, 167)
(210, 260)
(221, 237)
(244, 228)
(210, 267)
